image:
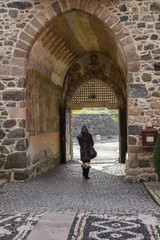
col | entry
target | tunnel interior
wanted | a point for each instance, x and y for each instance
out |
(74, 55)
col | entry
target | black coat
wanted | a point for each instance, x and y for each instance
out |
(85, 140)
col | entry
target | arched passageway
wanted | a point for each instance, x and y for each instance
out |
(73, 50)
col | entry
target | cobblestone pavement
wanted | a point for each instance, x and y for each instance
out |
(63, 189)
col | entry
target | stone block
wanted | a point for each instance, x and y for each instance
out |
(41, 16)
(144, 164)
(134, 111)
(126, 41)
(1, 86)
(155, 105)
(9, 123)
(13, 95)
(146, 77)
(17, 133)
(22, 144)
(137, 91)
(22, 82)
(112, 20)
(19, 53)
(2, 134)
(155, 6)
(22, 174)
(56, 7)
(91, 6)
(135, 130)
(4, 150)
(13, 13)
(22, 45)
(64, 5)
(73, 3)
(132, 140)
(134, 67)
(5, 70)
(105, 15)
(16, 160)
(35, 23)
(8, 142)
(30, 30)
(25, 37)
(19, 5)
(18, 71)
(2, 162)
(132, 160)
(17, 113)
(82, 4)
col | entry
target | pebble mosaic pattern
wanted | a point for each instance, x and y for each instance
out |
(97, 227)
(18, 226)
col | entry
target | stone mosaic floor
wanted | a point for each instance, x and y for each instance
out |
(17, 227)
(98, 227)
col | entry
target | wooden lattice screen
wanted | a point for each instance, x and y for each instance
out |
(94, 91)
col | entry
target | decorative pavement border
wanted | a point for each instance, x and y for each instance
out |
(17, 227)
(98, 227)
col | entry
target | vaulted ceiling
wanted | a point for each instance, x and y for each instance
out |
(67, 38)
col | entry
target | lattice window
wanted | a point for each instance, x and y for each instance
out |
(94, 91)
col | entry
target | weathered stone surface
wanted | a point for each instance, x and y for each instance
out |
(144, 164)
(132, 140)
(149, 46)
(13, 95)
(13, 13)
(123, 8)
(146, 77)
(1, 163)
(155, 105)
(56, 8)
(158, 26)
(146, 57)
(2, 134)
(22, 123)
(156, 94)
(1, 86)
(147, 67)
(155, 6)
(154, 37)
(11, 104)
(19, 5)
(22, 83)
(137, 90)
(141, 25)
(156, 51)
(16, 160)
(3, 149)
(22, 144)
(132, 160)
(141, 37)
(17, 133)
(8, 142)
(135, 130)
(22, 175)
(9, 123)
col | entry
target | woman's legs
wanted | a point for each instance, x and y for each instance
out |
(86, 167)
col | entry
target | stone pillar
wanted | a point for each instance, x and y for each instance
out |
(122, 134)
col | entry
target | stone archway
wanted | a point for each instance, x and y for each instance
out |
(44, 53)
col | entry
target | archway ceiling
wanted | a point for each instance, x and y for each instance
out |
(69, 37)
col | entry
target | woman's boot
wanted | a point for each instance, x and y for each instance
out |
(87, 173)
(83, 171)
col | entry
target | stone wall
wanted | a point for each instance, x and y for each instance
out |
(136, 26)
(97, 124)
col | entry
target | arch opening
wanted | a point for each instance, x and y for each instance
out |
(73, 49)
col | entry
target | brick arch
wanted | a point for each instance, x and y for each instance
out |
(99, 9)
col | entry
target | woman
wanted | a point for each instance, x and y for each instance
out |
(85, 140)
